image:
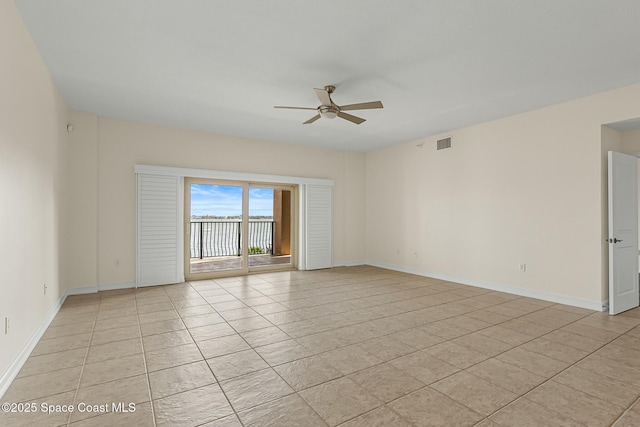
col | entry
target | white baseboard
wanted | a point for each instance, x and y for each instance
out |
(116, 285)
(14, 368)
(80, 290)
(349, 263)
(531, 293)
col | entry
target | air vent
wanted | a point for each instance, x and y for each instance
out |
(444, 143)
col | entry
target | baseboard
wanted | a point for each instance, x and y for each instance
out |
(80, 290)
(546, 296)
(115, 285)
(12, 371)
(348, 263)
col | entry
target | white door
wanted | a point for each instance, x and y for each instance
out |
(623, 232)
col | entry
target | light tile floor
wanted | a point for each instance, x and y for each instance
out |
(356, 346)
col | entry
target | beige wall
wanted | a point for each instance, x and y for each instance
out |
(523, 189)
(631, 141)
(33, 158)
(122, 144)
(83, 206)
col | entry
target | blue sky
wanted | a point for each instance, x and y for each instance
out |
(225, 200)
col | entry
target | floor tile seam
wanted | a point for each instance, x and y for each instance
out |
(330, 282)
(605, 343)
(345, 421)
(53, 369)
(196, 388)
(208, 303)
(349, 299)
(175, 393)
(367, 412)
(84, 364)
(166, 332)
(413, 327)
(549, 379)
(146, 368)
(429, 386)
(606, 357)
(209, 366)
(272, 368)
(523, 397)
(490, 357)
(446, 340)
(594, 396)
(391, 315)
(629, 347)
(236, 411)
(43, 339)
(629, 409)
(606, 330)
(458, 402)
(305, 402)
(462, 298)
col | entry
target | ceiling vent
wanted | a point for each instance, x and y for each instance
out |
(444, 143)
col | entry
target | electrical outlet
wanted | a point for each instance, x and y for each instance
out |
(523, 267)
(45, 288)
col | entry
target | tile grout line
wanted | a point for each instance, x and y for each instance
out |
(269, 367)
(84, 362)
(144, 360)
(202, 354)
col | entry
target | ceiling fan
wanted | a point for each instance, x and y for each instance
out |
(329, 110)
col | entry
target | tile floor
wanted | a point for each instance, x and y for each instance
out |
(356, 346)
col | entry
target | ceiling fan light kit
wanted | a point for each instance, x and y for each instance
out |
(329, 110)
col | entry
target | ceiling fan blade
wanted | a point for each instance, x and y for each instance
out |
(362, 106)
(323, 96)
(354, 119)
(312, 119)
(295, 108)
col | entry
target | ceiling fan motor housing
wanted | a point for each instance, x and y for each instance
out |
(329, 111)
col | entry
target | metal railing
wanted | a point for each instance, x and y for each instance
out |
(224, 238)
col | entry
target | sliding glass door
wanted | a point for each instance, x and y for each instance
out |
(216, 235)
(235, 227)
(270, 225)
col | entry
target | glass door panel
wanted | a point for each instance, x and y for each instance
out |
(269, 227)
(216, 228)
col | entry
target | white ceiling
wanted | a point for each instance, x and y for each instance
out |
(436, 65)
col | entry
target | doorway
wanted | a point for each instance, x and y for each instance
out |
(234, 228)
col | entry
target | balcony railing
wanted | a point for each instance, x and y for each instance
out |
(224, 238)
